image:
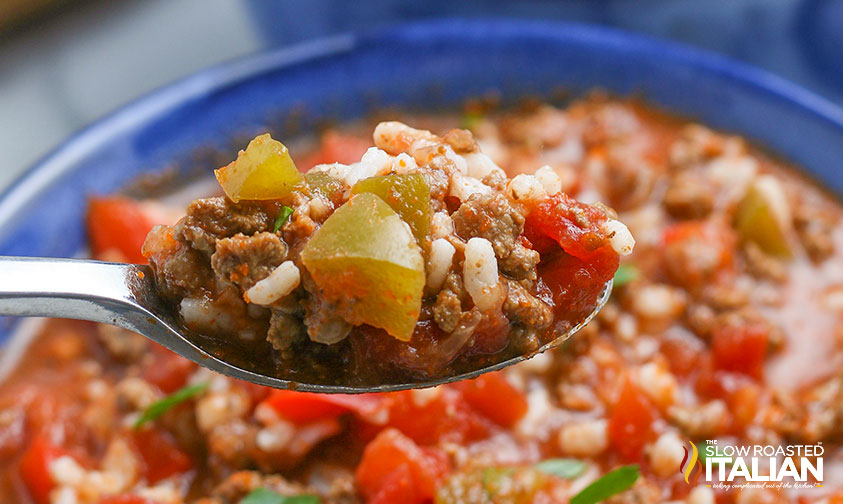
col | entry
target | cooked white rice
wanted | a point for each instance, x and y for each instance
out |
(526, 189)
(463, 187)
(620, 239)
(442, 225)
(441, 256)
(480, 274)
(549, 179)
(282, 281)
(480, 165)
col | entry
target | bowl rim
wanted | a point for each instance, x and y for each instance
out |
(204, 82)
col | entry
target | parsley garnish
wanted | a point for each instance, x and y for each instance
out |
(266, 496)
(626, 273)
(158, 408)
(285, 214)
(563, 467)
(610, 484)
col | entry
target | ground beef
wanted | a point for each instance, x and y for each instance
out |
(231, 444)
(122, 344)
(691, 262)
(240, 484)
(542, 127)
(285, 331)
(814, 227)
(695, 145)
(448, 306)
(462, 141)
(763, 265)
(322, 318)
(521, 263)
(689, 196)
(521, 307)
(629, 179)
(212, 218)
(183, 272)
(494, 218)
(496, 180)
(438, 181)
(245, 260)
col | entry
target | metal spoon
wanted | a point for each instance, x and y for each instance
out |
(125, 295)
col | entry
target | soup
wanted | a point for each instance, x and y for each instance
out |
(724, 325)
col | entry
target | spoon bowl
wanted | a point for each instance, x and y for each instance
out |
(125, 295)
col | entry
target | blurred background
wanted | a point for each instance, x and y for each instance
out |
(64, 63)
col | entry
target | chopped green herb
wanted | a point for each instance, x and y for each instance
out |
(626, 273)
(562, 467)
(610, 484)
(158, 408)
(266, 496)
(470, 120)
(285, 214)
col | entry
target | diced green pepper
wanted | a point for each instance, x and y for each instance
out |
(408, 195)
(759, 217)
(365, 260)
(264, 171)
(493, 485)
(324, 184)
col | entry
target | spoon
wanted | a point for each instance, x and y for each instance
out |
(125, 295)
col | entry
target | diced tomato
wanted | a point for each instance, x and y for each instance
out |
(161, 455)
(695, 251)
(713, 383)
(434, 415)
(397, 486)
(384, 353)
(574, 284)
(574, 276)
(740, 348)
(491, 335)
(836, 498)
(683, 353)
(256, 392)
(167, 370)
(126, 499)
(391, 449)
(13, 432)
(743, 404)
(336, 147)
(631, 423)
(495, 398)
(304, 407)
(35, 468)
(574, 226)
(121, 224)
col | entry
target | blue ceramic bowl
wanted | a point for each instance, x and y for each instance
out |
(417, 65)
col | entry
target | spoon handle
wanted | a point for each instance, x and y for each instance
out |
(68, 288)
(112, 293)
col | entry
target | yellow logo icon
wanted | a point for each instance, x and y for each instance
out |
(690, 462)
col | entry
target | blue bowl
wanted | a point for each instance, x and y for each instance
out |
(425, 64)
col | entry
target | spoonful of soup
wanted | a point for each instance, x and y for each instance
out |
(422, 263)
